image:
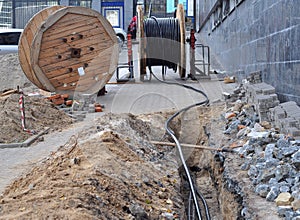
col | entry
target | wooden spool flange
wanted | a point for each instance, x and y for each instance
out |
(68, 49)
(181, 18)
(142, 46)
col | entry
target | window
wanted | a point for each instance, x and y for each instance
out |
(84, 3)
(9, 38)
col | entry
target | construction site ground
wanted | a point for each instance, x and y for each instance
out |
(106, 166)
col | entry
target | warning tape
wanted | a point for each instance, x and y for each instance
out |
(22, 109)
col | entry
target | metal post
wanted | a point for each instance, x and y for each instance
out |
(130, 60)
(194, 14)
(134, 3)
(192, 54)
(13, 14)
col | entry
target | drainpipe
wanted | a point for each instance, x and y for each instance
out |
(194, 13)
(134, 7)
(13, 14)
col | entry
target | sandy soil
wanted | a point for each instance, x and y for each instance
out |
(11, 74)
(39, 113)
(110, 171)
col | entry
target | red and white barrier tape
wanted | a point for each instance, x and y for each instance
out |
(21, 103)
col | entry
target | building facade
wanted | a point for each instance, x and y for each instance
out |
(254, 35)
(16, 13)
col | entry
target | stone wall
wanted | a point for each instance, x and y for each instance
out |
(257, 35)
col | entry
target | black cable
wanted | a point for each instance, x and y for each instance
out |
(193, 192)
(162, 42)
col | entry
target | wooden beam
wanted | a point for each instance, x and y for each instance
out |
(192, 146)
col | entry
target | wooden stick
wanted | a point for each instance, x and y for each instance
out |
(187, 145)
(8, 92)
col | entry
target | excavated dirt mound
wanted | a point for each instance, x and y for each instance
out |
(39, 113)
(12, 75)
(109, 171)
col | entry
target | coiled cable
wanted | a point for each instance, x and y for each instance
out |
(162, 42)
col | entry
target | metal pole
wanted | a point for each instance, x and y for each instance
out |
(192, 54)
(134, 3)
(13, 14)
(194, 14)
(130, 60)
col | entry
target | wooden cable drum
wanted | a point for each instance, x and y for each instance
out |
(68, 49)
(181, 17)
(141, 37)
(171, 38)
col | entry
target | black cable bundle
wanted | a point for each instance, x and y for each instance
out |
(162, 42)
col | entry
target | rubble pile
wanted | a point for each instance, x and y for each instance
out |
(110, 171)
(271, 157)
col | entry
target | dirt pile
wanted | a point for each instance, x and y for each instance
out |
(39, 113)
(11, 74)
(110, 171)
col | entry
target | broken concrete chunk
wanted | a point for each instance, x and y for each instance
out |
(296, 205)
(272, 194)
(284, 188)
(262, 190)
(269, 151)
(296, 160)
(284, 199)
(282, 210)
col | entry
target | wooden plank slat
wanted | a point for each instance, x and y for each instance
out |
(71, 24)
(59, 41)
(65, 71)
(47, 60)
(69, 30)
(70, 62)
(95, 41)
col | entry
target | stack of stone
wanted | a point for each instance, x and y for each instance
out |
(263, 97)
(81, 106)
(254, 77)
(286, 117)
(84, 102)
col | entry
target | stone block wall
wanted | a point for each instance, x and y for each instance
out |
(263, 97)
(258, 35)
(284, 116)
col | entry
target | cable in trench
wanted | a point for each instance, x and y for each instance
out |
(163, 39)
(193, 191)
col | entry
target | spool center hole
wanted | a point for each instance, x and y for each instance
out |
(75, 52)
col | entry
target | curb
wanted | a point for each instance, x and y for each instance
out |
(26, 143)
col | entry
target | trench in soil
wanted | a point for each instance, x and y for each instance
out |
(203, 126)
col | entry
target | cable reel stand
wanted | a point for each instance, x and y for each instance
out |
(162, 43)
